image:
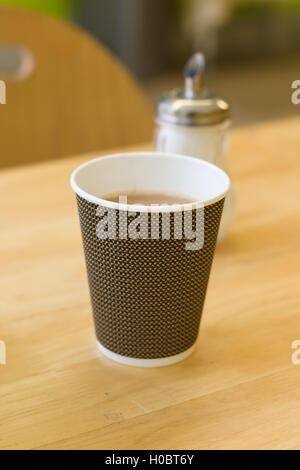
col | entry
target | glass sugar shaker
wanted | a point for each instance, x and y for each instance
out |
(195, 121)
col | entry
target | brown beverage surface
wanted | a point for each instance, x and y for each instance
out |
(149, 198)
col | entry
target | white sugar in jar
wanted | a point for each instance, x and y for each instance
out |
(194, 121)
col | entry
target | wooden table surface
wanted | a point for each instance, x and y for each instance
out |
(239, 389)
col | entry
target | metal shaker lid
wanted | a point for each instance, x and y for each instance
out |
(193, 105)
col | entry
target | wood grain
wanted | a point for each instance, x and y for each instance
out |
(238, 390)
(78, 99)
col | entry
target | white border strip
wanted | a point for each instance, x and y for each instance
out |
(130, 361)
(143, 208)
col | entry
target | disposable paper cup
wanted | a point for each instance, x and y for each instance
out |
(148, 267)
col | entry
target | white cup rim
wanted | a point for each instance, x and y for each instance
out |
(144, 208)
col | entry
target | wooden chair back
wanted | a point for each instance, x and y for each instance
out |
(67, 94)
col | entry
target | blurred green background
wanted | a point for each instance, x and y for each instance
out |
(55, 7)
(252, 47)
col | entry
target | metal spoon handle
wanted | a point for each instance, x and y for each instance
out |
(193, 73)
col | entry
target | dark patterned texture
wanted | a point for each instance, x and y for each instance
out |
(147, 295)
